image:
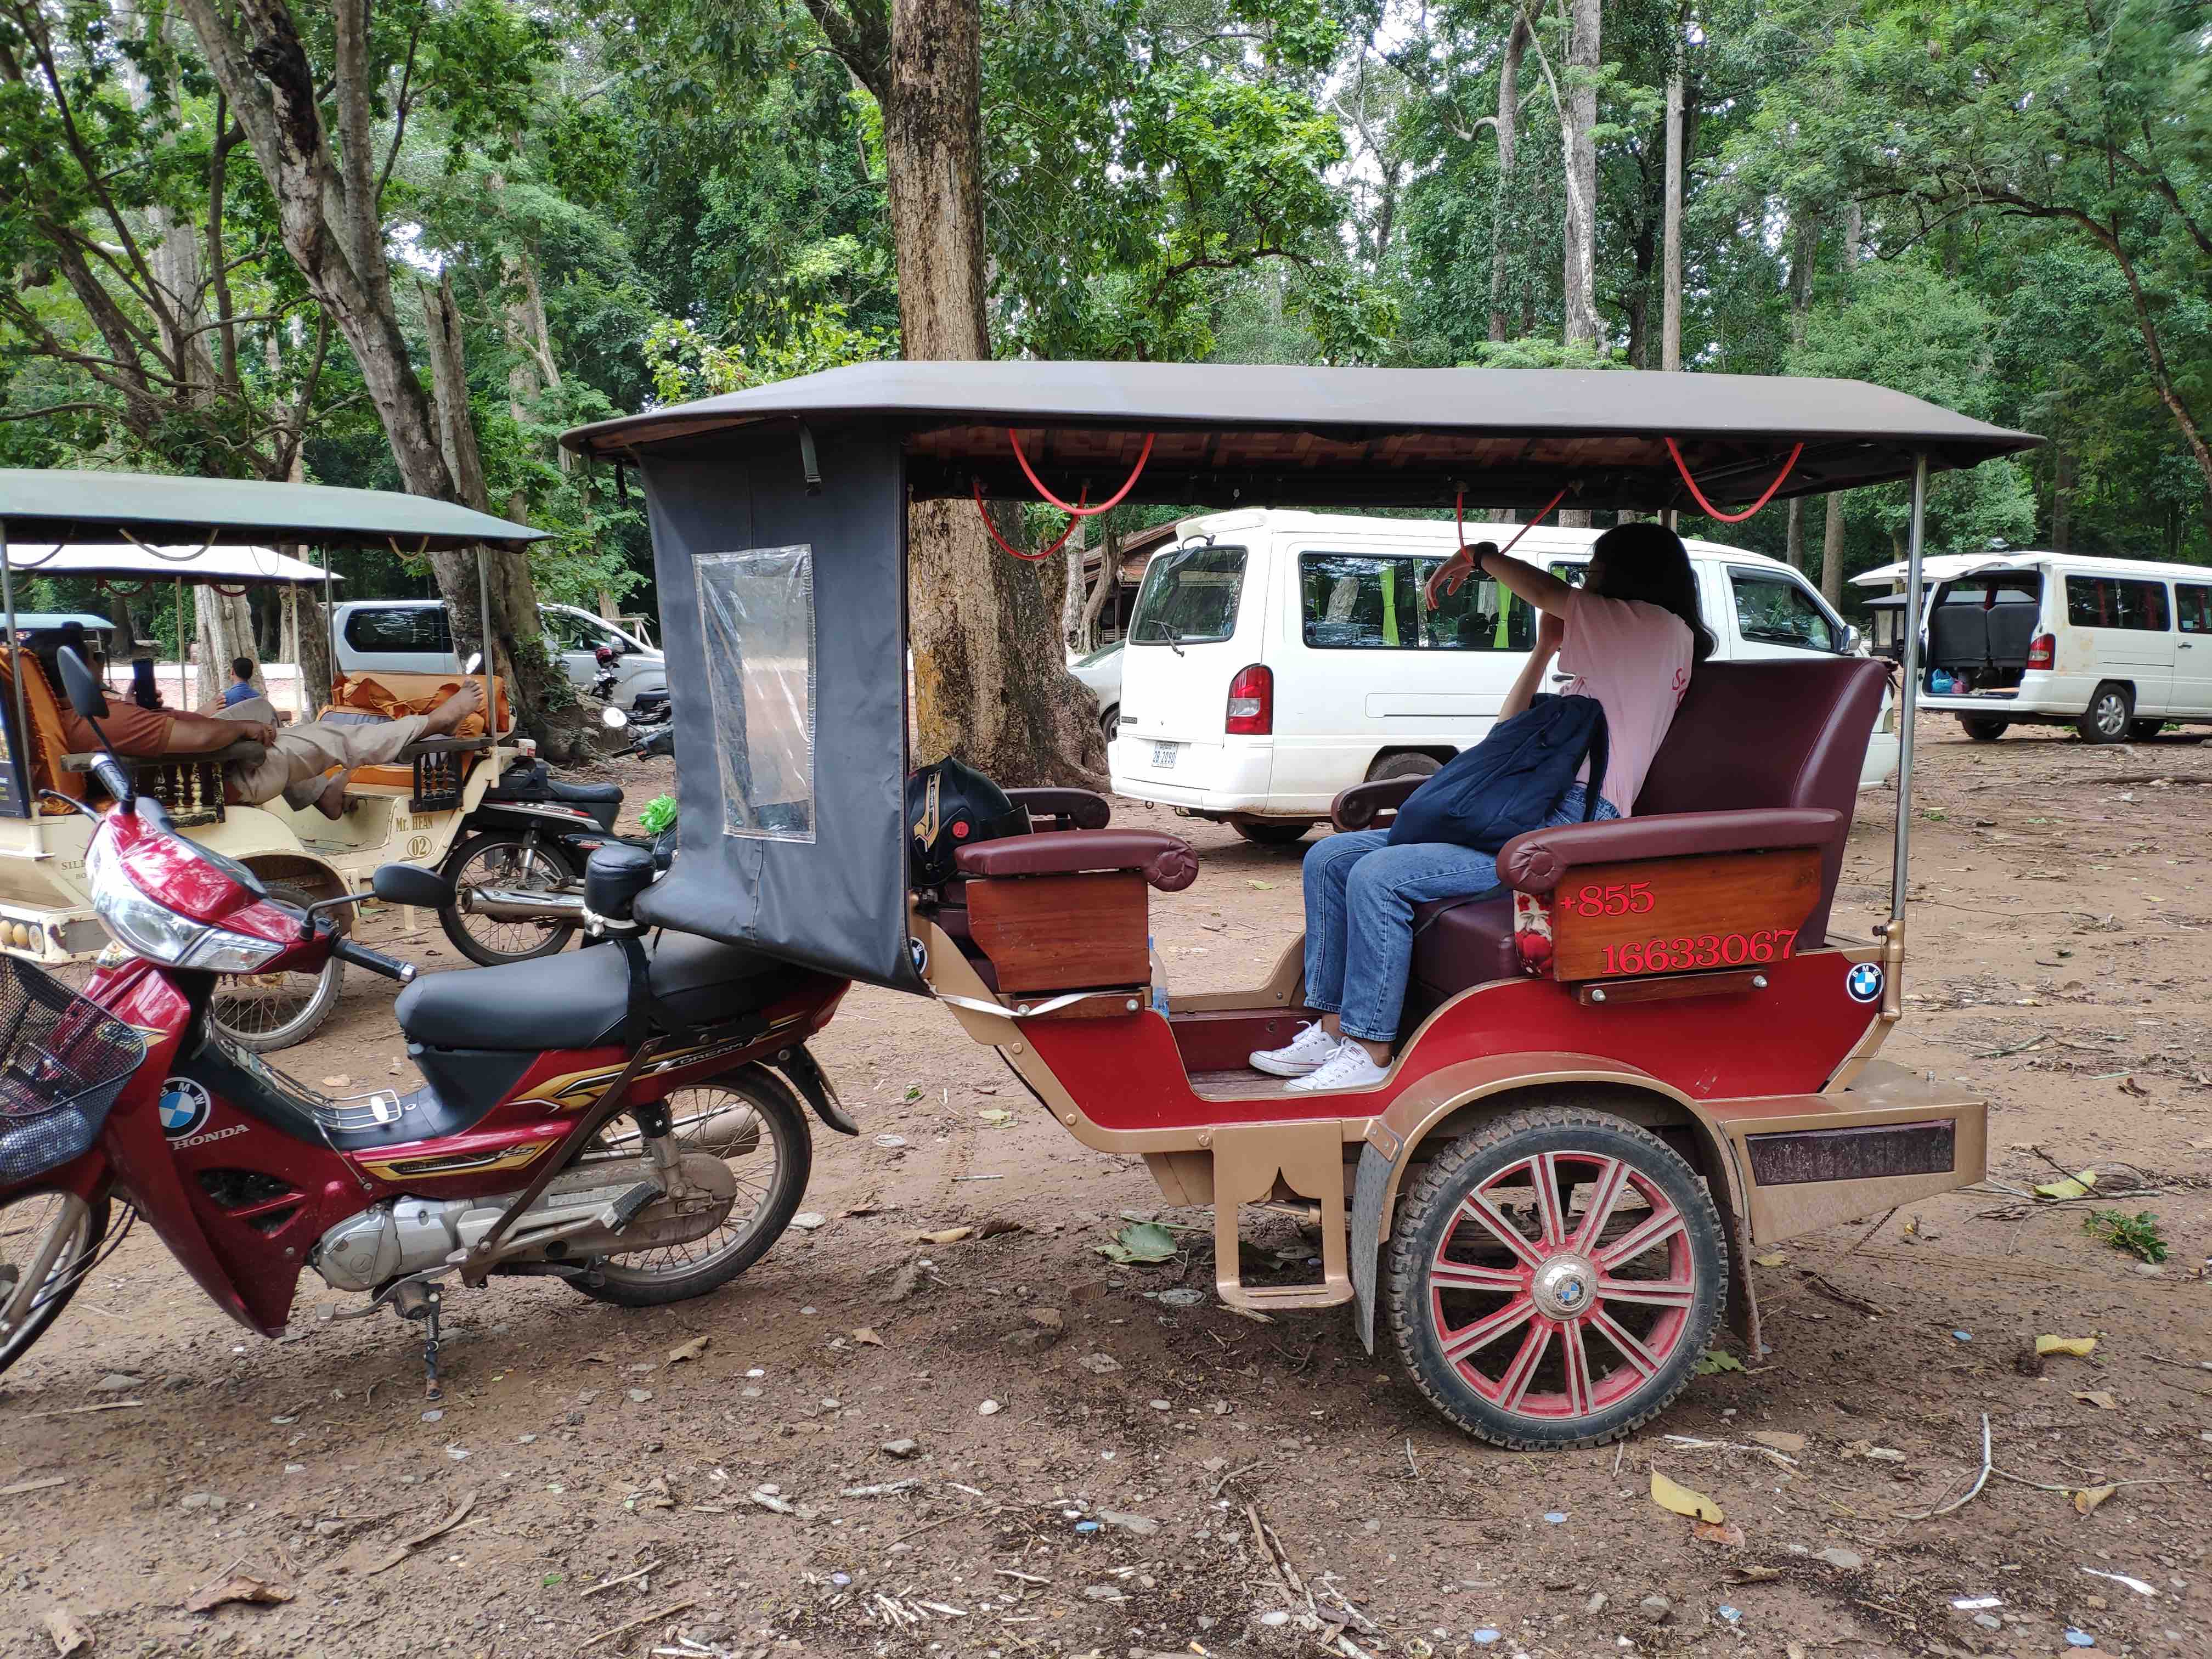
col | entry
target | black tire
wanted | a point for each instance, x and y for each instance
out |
(1984, 731)
(1272, 834)
(783, 1126)
(2106, 720)
(91, 1230)
(2144, 731)
(252, 1010)
(509, 941)
(1435, 1213)
(1111, 723)
(1403, 766)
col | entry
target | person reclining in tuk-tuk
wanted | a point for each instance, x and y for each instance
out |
(1630, 636)
(295, 758)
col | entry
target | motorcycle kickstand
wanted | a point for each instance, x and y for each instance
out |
(420, 1302)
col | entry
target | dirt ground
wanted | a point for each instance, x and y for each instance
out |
(1107, 1505)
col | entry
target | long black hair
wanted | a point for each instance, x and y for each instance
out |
(1646, 561)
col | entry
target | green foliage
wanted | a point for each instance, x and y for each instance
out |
(2137, 1235)
(686, 363)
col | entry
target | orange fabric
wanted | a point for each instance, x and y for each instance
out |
(387, 777)
(394, 694)
(48, 738)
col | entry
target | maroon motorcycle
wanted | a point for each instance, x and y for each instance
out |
(628, 1120)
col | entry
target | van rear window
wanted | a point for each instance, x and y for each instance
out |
(1189, 597)
(2116, 602)
(1358, 602)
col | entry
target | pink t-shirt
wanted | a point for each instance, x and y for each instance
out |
(1635, 659)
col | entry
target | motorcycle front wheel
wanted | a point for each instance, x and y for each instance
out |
(751, 1118)
(47, 1241)
(268, 1011)
(505, 859)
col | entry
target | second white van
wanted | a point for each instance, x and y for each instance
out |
(1275, 658)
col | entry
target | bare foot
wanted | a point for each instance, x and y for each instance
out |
(331, 802)
(448, 715)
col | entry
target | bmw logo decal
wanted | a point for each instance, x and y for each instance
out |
(1864, 982)
(1571, 1293)
(185, 1108)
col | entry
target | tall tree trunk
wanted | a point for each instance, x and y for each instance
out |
(1583, 327)
(990, 681)
(1071, 589)
(1509, 132)
(1110, 567)
(1805, 243)
(1832, 539)
(1670, 274)
(330, 217)
(2062, 496)
(224, 623)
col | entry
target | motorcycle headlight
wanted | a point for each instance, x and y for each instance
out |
(159, 933)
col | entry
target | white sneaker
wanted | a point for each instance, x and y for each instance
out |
(1349, 1067)
(1307, 1052)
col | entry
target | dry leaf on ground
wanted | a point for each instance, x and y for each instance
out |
(258, 1592)
(1669, 1495)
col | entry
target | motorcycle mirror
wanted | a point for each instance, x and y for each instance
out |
(474, 664)
(613, 718)
(411, 884)
(85, 693)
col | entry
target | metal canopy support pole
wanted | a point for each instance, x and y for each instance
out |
(19, 755)
(483, 646)
(183, 649)
(1908, 704)
(330, 629)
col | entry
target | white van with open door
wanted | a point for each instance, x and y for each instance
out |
(1275, 658)
(2113, 647)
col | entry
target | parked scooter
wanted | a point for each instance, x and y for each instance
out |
(508, 1160)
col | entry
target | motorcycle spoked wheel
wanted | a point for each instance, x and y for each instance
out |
(771, 1178)
(504, 858)
(28, 1222)
(269, 1011)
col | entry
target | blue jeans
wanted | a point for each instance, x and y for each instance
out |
(1360, 895)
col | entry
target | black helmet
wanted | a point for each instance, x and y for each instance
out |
(950, 805)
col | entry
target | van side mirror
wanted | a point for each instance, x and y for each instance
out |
(411, 884)
(1854, 641)
(85, 693)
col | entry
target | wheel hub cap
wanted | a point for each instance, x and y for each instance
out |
(1565, 1286)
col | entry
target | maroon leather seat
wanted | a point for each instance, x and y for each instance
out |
(1760, 755)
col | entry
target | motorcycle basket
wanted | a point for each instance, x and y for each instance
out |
(62, 1062)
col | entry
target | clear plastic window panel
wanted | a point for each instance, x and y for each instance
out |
(756, 621)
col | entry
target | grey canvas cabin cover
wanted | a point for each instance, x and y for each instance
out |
(779, 531)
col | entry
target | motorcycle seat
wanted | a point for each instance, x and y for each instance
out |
(581, 999)
(586, 794)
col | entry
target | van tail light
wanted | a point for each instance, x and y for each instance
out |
(1252, 702)
(2043, 651)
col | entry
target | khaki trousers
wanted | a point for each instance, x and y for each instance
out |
(296, 763)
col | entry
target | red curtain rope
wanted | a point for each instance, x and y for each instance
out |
(1042, 553)
(1107, 506)
(1459, 503)
(1712, 511)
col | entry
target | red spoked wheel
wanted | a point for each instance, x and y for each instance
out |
(1553, 1277)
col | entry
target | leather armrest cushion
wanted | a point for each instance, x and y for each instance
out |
(1357, 807)
(1073, 809)
(1539, 860)
(1167, 862)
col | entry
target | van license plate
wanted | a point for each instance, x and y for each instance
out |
(1164, 755)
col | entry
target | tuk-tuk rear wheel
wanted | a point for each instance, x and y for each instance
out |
(267, 1013)
(1535, 1324)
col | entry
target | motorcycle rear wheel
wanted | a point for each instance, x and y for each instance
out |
(768, 1194)
(28, 1222)
(502, 857)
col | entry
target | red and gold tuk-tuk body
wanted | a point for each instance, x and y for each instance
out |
(1650, 1052)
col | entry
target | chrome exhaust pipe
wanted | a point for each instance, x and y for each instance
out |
(519, 904)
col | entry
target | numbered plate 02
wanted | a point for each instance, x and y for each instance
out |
(1682, 915)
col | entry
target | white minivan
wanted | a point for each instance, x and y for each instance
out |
(2113, 647)
(1276, 658)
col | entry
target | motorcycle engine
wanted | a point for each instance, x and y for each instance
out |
(407, 1235)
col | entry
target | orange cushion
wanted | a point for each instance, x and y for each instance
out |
(394, 694)
(48, 743)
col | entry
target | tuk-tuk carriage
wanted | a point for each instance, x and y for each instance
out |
(1648, 1052)
(158, 535)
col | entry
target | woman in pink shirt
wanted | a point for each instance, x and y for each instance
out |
(1630, 635)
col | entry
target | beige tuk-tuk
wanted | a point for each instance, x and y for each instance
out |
(126, 528)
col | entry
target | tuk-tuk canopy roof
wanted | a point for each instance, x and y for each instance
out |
(56, 505)
(229, 566)
(1226, 434)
